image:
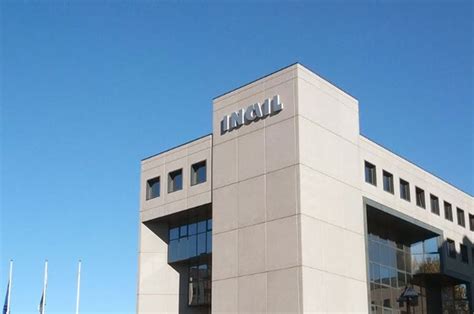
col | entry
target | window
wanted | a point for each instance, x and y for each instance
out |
(434, 204)
(460, 214)
(198, 173)
(153, 188)
(404, 190)
(471, 222)
(370, 175)
(387, 181)
(199, 284)
(464, 257)
(420, 197)
(451, 248)
(448, 211)
(175, 181)
(189, 240)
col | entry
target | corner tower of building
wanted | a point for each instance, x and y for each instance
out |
(277, 205)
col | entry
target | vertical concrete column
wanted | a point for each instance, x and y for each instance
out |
(331, 212)
(256, 233)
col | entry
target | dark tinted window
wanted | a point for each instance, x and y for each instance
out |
(434, 204)
(387, 182)
(471, 222)
(189, 240)
(464, 256)
(153, 188)
(420, 197)
(175, 180)
(370, 173)
(198, 173)
(404, 190)
(451, 248)
(460, 214)
(448, 211)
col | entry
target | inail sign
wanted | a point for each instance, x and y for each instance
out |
(252, 113)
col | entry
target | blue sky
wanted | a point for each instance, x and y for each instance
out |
(88, 89)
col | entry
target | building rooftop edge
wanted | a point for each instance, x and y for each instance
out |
(177, 146)
(416, 165)
(281, 69)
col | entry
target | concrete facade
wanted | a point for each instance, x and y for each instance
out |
(287, 198)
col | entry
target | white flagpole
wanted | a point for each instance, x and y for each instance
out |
(78, 294)
(45, 284)
(10, 286)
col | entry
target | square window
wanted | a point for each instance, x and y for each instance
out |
(153, 188)
(451, 248)
(198, 173)
(464, 257)
(420, 197)
(471, 222)
(175, 181)
(370, 175)
(434, 204)
(387, 182)
(460, 214)
(448, 211)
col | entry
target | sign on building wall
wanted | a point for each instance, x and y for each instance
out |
(252, 113)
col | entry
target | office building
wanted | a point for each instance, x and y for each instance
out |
(286, 207)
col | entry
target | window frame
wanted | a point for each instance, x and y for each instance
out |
(149, 188)
(460, 213)
(389, 176)
(471, 221)
(403, 192)
(434, 200)
(171, 180)
(451, 248)
(370, 171)
(194, 172)
(448, 207)
(420, 197)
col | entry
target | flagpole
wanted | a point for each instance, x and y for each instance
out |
(10, 277)
(45, 284)
(78, 293)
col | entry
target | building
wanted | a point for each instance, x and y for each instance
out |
(286, 207)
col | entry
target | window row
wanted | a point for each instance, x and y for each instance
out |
(420, 197)
(463, 250)
(175, 180)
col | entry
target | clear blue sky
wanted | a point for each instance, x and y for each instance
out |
(87, 90)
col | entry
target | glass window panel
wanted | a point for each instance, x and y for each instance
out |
(198, 173)
(174, 233)
(417, 248)
(375, 294)
(183, 231)
(153, 188)
(376, 273)
(401, 279)
(183, 249)
(385, 255)
(400, 260)
(393, 277)
(202, 226)
(385, 275)
(431, 245)
(192, 228)
(192, 246)
(201, 243)
(173, 251)
(374, 254)
(175, 180)
(408, 262)
(209, 242)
